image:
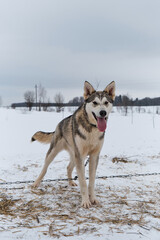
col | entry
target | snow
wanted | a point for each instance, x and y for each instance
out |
(129, 207)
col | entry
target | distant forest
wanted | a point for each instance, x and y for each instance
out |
(124, 100)
(121, 100)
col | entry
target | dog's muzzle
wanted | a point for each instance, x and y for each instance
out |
(101, 120)
(103, 113)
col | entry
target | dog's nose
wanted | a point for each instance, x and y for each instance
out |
(102, 113)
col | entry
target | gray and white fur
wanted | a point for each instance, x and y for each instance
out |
(81, 135)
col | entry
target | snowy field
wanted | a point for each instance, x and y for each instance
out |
(129, 207)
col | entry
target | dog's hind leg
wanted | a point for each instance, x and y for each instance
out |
(51, 154)
(70, 168)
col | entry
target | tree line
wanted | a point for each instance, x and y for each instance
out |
(39, 100)
(124, 100)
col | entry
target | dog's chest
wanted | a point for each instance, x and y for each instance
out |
(92, 143)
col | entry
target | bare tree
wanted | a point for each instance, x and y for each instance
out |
(46, 105)
(125, 103)
(76, 101)
(157, 110)
(29, 98)
(42, 95)
(59, 100)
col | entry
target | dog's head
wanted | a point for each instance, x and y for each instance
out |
(99, 104)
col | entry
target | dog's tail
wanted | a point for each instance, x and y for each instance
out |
(43, 137)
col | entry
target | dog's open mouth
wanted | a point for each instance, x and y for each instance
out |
(101, 122)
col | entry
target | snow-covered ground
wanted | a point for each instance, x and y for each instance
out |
(129, 207)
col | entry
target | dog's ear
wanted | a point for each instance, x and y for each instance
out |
(110, 89)
(88, 90)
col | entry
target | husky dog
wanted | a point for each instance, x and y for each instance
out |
(82, 135)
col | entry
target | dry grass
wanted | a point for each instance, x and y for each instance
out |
(57, 212)
(120, 160)
(6, 205)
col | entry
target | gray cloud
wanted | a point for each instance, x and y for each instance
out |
(63, 43)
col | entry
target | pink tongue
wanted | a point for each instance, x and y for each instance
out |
(101, 124)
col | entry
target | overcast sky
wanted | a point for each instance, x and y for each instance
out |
(62, 43)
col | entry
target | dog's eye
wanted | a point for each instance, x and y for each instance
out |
(106, 103)
(95, 103)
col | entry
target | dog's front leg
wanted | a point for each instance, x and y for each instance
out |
(93, 162)
(82, 181)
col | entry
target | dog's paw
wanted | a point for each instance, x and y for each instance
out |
(86, 203)
(94, 200)
(35, 184)
(72, 183)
